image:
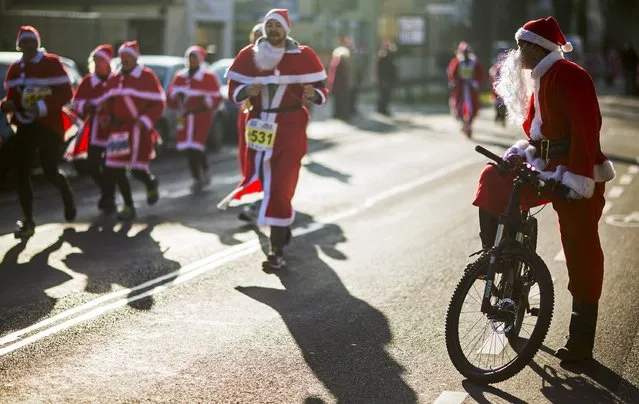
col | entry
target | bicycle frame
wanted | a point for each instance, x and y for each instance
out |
(512, 219)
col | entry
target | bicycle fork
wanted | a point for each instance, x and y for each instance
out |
(506, 219)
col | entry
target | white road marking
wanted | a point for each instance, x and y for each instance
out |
(451, 397)
(615, 192)
(115, 300)
(561, 257)
(633, 169)
(625, 179)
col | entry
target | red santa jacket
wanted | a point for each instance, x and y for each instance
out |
(88, 93)
(563, 106)
(136, 96)
(462, 71)
(300, 65)
(196, 96)
(42, 83)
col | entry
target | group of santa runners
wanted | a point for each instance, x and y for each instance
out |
(274, 79)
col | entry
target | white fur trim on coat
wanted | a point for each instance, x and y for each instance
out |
(605, 171)
(584, 186)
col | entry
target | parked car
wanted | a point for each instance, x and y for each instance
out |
(228, 113)
(165, 68)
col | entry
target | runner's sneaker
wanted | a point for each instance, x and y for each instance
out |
(127, 213)
(249, 213)
(197, 186)
(152, 193)
(106, 205)
(205, 178)
(274, 261)
(24, 229)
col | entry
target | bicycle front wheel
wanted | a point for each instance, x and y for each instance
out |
(493, 348)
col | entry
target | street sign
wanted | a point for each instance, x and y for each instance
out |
(410, 30)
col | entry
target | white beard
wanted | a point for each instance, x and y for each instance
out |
(266, 56)
(515, 87)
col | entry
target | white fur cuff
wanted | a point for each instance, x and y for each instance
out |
(604, 172)
(584, 186)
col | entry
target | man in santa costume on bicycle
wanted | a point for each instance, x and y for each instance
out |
(280, 78)
(195, 93)
(464, 76)
(556, 103)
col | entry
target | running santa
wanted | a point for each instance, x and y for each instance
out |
(280, 78)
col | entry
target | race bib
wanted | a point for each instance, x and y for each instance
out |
(466, 72)
(260, 135)
(118, 144)
(31, 95)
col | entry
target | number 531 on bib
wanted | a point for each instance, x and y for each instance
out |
(260, 135)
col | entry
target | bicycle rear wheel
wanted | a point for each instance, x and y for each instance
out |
(491, 349)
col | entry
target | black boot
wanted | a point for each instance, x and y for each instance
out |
(581, 341)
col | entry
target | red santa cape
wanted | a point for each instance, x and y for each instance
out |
(201, 95)
(133, 103)
(276, 168)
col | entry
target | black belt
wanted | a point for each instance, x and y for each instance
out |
(551, 149)
(287, 108)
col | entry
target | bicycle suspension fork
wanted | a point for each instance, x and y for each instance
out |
(505, 222)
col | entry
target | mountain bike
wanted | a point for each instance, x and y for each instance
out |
(501, 309)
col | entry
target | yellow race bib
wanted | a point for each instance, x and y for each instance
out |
(260, 135)
(31, 95)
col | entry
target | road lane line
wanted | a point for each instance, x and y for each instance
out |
(606, 208)
(560, 257)
(451, 397)
(625, 179)
(16, 340)
(615, 192)
(633, 169)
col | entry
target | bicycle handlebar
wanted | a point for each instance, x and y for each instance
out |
(527, 173)
(481, 150)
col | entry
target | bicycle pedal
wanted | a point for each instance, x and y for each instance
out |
(534, 311)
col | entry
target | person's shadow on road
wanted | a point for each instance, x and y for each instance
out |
(23, 297)
(343, 338)
(110, 256)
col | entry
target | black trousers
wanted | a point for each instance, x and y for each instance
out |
(118, 176)
(96, 168)
(197, 162)
(384, 99)
(29, 139)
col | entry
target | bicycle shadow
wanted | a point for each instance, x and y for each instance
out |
(342, 338)
(23, 297)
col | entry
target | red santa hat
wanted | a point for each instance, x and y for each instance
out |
(280, 15)
(130, 47)
(544, 32)
(257, 28)
(103, 51)
(198, 51)
(27, 31)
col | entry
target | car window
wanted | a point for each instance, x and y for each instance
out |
(220, 72)
(160, 71)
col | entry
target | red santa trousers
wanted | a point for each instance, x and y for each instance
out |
(578, 225)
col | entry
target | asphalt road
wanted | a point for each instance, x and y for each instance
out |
(175, 307)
